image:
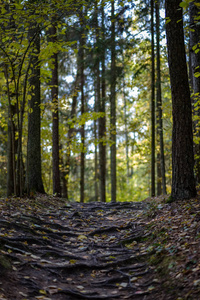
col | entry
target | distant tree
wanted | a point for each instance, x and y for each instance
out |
(162, 180)
(152, 103)
(183, 182)
(55, 115)
(113, 106)
(82, 84)
(102, 120)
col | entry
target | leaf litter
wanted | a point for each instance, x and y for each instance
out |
(53, 249)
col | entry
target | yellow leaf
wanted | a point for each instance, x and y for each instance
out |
(43, 292)
(73, 261)
(82, 237)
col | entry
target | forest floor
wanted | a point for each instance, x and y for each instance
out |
(53, 249)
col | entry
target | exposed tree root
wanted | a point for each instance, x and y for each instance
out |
(79, 251)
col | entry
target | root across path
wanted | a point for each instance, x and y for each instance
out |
(50, 249)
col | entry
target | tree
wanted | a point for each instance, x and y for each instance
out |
(33, 172)
(194, 79)
(152, 103)
(183, 182)
(82, 83)
(55, 116)
(113, 107)
(159, 106)
(102, 120)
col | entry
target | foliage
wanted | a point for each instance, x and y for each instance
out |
(133, 83)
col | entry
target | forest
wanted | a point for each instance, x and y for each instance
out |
(86, 102)
(83, 85)
(100, 150)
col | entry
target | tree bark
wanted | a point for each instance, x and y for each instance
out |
(95, 156)
(126, 129)
(34, 170)
(55, 117)
(70, 136)
(152, 103)
(113, 107)
(194, 80)
(183, 182)
(159, 106)
(102, 120)
(82, 82)
(97, 99)
(11, 151)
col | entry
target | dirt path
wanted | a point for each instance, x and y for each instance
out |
(80, 251)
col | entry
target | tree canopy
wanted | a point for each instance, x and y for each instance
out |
(99, 97)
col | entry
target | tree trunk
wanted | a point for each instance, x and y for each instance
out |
(152, 103)
(11, 155)
(183, 182)
(70, 135)
(97, 97)
(82, 82)
(64, 191)
(113, 107)
(194, 80)
(95, 156)
(55, 117)
(159, 106)
(12, 143)
(34, 170)
(126, 126)
(102, 120)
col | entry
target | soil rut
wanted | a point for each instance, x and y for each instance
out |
(78, 251)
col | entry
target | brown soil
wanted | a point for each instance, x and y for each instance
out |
(51, 249)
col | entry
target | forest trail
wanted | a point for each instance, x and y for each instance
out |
(53, 250)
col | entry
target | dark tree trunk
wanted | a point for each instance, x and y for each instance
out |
(113, 107)
(11, 150)
(162, 178)
(126, 127)
(152, 103)
(102, 120)
(70, 136)
(34, 171)
(64, 191)
(95, 157)
(55, 117)
(82, 82)
(183, 182)
(12, 143)
(159, 175)
(194, 80)
(97, 99)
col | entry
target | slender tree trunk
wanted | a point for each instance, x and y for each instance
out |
(152, 103)
(158, 165)
(10, 156)
(12, 143)
(95, 156)
(82, 83)
(97, 97)
(183, 182)
(102, 120)
(126, 126)
(55, 117)
(34, 170)
(113, 107)
(194, 80)
(159, 105)
(70, 136)
(64, 191)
